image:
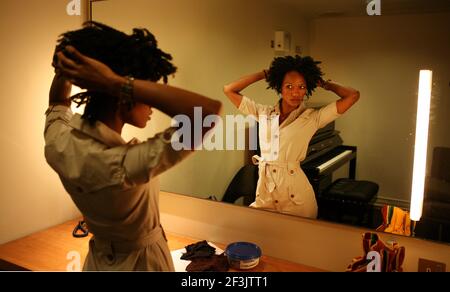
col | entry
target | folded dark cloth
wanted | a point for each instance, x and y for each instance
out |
(214, 263)
(198, 250)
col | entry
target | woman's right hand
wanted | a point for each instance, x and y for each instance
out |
(85, 72)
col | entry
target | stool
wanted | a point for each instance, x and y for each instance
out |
(348, 197)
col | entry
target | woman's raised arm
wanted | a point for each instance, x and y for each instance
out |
(348, 95)
(233, 89)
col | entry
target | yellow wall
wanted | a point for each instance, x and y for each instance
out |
(31, 197)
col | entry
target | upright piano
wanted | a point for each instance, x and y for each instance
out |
(326, 153)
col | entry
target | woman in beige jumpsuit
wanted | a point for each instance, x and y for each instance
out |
(282, 185)
(114, 183)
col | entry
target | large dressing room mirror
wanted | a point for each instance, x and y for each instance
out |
(216, 42)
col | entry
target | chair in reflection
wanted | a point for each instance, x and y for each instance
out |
(243, 185)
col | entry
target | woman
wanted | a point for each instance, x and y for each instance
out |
(282, 185)
(114, 183)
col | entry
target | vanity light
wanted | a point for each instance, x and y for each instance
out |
(420, 150)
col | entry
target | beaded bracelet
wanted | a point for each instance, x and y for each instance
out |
(126, 93)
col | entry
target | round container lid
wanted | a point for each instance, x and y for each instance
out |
(243, 251)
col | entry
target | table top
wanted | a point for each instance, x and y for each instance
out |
(53, 249)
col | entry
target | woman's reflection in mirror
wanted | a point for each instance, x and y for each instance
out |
(282, 185)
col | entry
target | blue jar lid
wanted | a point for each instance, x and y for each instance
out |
(243, 251)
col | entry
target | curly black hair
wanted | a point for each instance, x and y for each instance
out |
(306, 66)
(135, 55)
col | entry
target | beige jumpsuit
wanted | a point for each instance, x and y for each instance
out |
(115, 186)
(282, 184)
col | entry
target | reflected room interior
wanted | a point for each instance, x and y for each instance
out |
(361, 165)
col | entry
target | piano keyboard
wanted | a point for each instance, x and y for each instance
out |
(322, 167)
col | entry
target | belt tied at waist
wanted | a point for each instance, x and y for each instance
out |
(128, 246)
(267, 176)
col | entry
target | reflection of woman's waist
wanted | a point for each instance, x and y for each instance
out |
(257, 160)
(273, 174)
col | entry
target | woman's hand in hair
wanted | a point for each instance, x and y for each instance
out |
(85, 72)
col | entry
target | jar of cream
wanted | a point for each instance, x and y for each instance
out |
(243, 255)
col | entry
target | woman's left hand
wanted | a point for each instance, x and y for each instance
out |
(85, 72)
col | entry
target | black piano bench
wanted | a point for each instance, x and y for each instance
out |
(350, 201)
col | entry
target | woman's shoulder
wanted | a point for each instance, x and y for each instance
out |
(250, 106)
(317, 107)
(308, 112)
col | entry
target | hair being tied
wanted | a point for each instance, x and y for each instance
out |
(135, 55)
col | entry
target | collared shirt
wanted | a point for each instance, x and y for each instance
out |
(282, 184)
(113, 182)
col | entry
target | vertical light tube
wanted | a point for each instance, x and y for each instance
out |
(420, 149)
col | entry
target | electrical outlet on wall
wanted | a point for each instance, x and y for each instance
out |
(430, 266)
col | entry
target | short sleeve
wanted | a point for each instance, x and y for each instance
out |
(250, 107)
(327, 114)
(56, 122)
(148, 159)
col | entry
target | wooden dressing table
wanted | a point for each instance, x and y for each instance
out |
(48, 250)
